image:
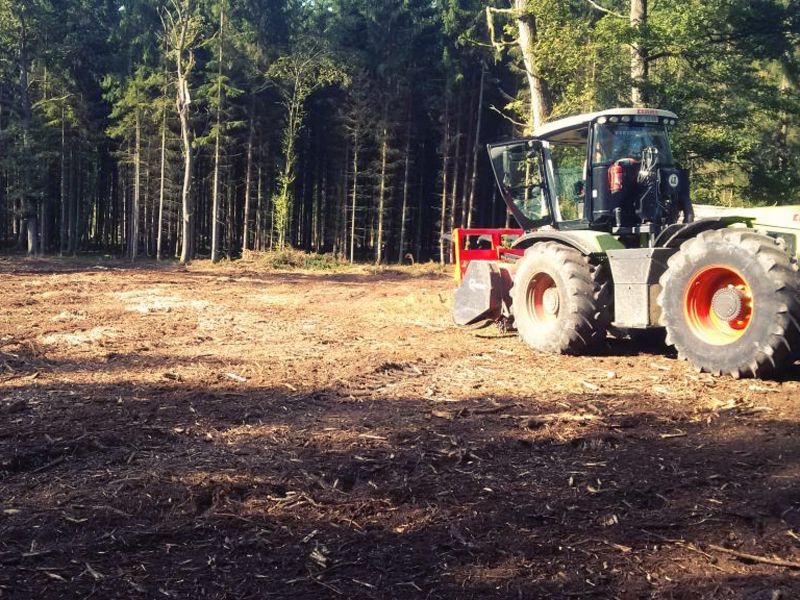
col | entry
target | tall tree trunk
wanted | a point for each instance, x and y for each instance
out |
(62, 229)
(247, 176)
(187, 206)
(147, 234)
(445, 165)
(343, 195)
(183, 101)
(476, 149)
(382, 183)
(456, 165)
(321, 239)
(420, 196)
(469, 142)
(215, 224)
(137, 160)
(406, 175)
(540, 93)
(161, 180)
(230, 228)
(72, 217)
(639, 65)
(28, 205)
(354, 201)
(259, 242)
(44, 225)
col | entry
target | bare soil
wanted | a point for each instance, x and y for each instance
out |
(236, 433)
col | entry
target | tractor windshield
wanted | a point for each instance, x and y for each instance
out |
(615, 141)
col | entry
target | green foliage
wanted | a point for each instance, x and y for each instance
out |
(275, 101)
(297, 76)
(292, 259)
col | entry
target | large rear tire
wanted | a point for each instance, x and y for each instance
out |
(730, 303)
(560, 300)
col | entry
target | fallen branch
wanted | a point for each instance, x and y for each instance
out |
(778, 562)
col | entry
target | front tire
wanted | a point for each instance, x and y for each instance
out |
(730, 303)
(560, 300)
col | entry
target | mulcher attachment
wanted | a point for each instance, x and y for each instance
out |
(480, 295)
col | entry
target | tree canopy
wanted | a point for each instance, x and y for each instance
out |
(207, 127)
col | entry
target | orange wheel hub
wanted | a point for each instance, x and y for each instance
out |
(718, 305)
(543, 298)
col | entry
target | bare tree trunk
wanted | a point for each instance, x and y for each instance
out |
(215, 225)
(475, 150)
(354, 201)
(456, 165)
(259, 211)
(343, 200)
(323, 207)
(183, 101)
(231, 220)
(420, 195)
(406, 174)
(187, 206)
(72, 199)
(28, 206)
(161, 179)
(469, 143)
(382, 183)
(540, 94)
(62, 229)
(445, 165)
(247, 176)
(639, 65)
(133, 243)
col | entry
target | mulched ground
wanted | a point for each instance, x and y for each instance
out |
(236, 433)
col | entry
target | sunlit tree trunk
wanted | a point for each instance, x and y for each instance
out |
(161, 180)
(639, 67)
(456, 165)
(215, 224)
(248, 173)
(540, 95)
(184, 62)
(28, 205)
(133, 243)
(406, 175)
(382, 186)
(476, 150)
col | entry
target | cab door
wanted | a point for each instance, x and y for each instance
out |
(519, 170)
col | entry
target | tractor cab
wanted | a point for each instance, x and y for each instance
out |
(607, 171)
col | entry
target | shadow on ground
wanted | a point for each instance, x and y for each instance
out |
(131, 491)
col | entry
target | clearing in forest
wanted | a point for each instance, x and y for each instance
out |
(191, 433)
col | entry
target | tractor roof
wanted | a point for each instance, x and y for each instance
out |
(574, 130)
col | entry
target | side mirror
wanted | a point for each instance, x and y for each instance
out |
(578, 188)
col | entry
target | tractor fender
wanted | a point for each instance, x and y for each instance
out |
(674, 235)
(584, 245)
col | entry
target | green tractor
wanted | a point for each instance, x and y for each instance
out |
(608, 241)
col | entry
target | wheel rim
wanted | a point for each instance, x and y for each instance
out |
(718, 305)
(544, 301)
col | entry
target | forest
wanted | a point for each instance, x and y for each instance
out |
(182, 129)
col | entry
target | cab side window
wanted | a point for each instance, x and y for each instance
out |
(522, 178)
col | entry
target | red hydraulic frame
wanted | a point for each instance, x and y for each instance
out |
(463, 256)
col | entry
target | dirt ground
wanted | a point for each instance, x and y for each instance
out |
(240, 433)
